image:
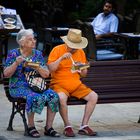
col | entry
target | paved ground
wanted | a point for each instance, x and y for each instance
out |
(111, 121)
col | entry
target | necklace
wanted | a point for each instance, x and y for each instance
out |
(28, 56)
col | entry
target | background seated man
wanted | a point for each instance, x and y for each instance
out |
(105, 23)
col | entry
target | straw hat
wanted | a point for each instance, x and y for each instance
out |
(74, 39)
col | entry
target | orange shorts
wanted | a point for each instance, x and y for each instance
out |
(81, 91)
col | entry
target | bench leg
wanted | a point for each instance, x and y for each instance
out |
(18, 108)
(24, 122)
(139, 120)
(10, 128)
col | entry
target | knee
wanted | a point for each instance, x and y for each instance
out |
(93, 97)
(52, 95)
(56, 98)
(63, 101)
(96, 95)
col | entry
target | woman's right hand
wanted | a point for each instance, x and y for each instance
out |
(20, 59)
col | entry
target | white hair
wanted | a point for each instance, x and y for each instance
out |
(23, 33)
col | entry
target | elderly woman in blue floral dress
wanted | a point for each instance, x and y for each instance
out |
(19, 87)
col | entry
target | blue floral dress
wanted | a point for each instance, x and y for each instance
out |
(35, 102)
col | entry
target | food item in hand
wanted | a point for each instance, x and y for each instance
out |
(31, 64)
(83, 66)
(80, 66)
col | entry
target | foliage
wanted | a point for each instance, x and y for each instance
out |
(87, 9)
(91, 8)
(131, 5)
(78, 9)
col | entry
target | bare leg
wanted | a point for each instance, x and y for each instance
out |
(31, 126)
(49, 131)
(31, 120)
(63, 108)
(89, 108)
(50, 117)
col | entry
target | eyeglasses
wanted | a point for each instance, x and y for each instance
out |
(31, 39)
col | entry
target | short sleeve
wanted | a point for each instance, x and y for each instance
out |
(54, 55)
(11, 57)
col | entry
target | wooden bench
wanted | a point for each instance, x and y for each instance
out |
(114, 81)
(1, 71)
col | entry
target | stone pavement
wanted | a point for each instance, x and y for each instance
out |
(111, 121)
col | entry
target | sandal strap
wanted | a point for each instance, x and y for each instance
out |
(87, 131)
(51, 132)
(31, 129)
(33, 132)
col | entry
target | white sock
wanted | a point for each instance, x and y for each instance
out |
(68, 126)
(81, 127)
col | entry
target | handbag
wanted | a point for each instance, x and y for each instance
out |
(36, 82)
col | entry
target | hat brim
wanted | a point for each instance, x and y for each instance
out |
(81, 45)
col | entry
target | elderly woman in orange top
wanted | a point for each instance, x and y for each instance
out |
(63, 63)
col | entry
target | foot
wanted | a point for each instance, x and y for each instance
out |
(32, 132)
(51, 132)
(68, 132)
(87, 131)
